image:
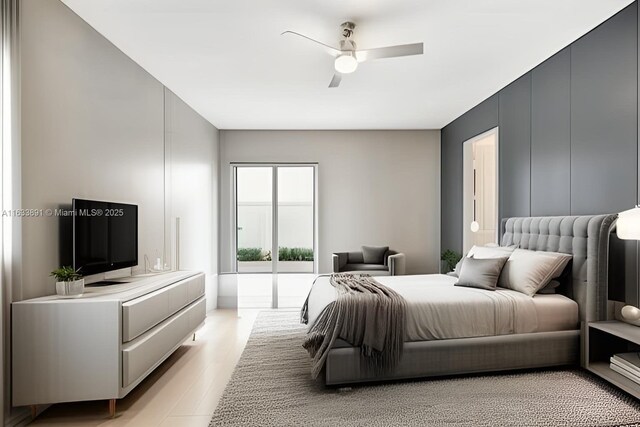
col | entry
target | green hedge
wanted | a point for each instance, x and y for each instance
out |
(249, 254)
(295, 254)
(284, 254)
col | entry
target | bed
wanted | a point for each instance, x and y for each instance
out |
(452, 330)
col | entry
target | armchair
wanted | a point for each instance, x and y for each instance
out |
(377, 261)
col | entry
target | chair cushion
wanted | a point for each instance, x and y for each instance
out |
(374, 254)
(364, 267)
(354, 258)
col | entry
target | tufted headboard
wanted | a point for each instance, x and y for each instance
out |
(585, 237)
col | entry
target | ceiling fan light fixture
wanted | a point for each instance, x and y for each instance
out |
(346, 63)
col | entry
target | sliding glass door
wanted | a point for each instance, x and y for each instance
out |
(254, 219)
(295, 212)
(275, 215)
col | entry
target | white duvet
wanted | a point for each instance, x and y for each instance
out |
(436, 309)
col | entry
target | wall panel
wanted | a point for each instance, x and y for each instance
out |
(515, 148)
(550, 136)
(568, 137)
(604, 117)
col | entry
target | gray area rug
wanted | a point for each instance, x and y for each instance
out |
(271, 386)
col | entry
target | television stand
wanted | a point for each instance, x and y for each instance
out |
(101, 345)
(106, 283)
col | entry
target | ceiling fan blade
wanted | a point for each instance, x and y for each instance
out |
(329, 49)
(390, 52)
(335, 81)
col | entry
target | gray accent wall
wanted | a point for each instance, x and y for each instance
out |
(474, 122)
(514, 173)
(604, 119)
(551, 136)
(568, 135)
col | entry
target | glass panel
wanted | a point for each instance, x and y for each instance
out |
(254, 219)
(293, 289)
(255, 290)
(295, 219)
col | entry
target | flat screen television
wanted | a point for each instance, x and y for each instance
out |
(105, 236)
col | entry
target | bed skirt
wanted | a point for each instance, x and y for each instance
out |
(461, 356)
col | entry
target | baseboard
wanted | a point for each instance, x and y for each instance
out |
(211, 291)
(227, 302)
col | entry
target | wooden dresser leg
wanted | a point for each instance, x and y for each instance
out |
(112, 408)
(34, 411)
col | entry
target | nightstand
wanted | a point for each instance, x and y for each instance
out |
(604, 339)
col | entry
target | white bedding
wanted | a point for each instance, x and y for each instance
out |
(436, 309)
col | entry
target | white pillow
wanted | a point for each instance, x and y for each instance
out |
(484, 252)
(529, 271)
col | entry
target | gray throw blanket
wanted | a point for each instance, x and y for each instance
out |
(366, 314)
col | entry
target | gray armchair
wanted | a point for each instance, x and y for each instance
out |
(376, 261)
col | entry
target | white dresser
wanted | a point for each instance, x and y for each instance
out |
(104, 343)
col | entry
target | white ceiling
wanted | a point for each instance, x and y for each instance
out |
(229, 62)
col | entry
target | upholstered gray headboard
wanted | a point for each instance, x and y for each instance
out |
(585, 237)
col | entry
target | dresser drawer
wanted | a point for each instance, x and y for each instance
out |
(141, 314)
(146, 352)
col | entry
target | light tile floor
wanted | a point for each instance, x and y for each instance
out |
(182, 392)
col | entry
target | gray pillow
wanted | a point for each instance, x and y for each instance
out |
(374, 254)
(550, 288)
(481, 273)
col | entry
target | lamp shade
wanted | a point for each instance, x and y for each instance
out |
(475, 227)
(628, 224)
(346, 63)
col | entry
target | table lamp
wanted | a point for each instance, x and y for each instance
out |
(628, 228)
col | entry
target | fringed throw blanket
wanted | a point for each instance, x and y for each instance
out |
(366, 314)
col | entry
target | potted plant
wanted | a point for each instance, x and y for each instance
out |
(69, 282)
(449, 260)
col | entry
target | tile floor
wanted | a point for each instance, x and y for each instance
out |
(182, 392)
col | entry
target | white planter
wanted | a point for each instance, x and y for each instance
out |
(70, 289)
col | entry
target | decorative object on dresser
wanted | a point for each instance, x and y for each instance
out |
(373, 260)
(104, 343)
(69, 282)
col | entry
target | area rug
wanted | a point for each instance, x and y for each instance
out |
(271, 386)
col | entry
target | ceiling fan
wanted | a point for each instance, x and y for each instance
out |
(348, 55)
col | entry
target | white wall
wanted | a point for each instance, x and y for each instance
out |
(375, 188)
(192, 190)
(93, 126)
